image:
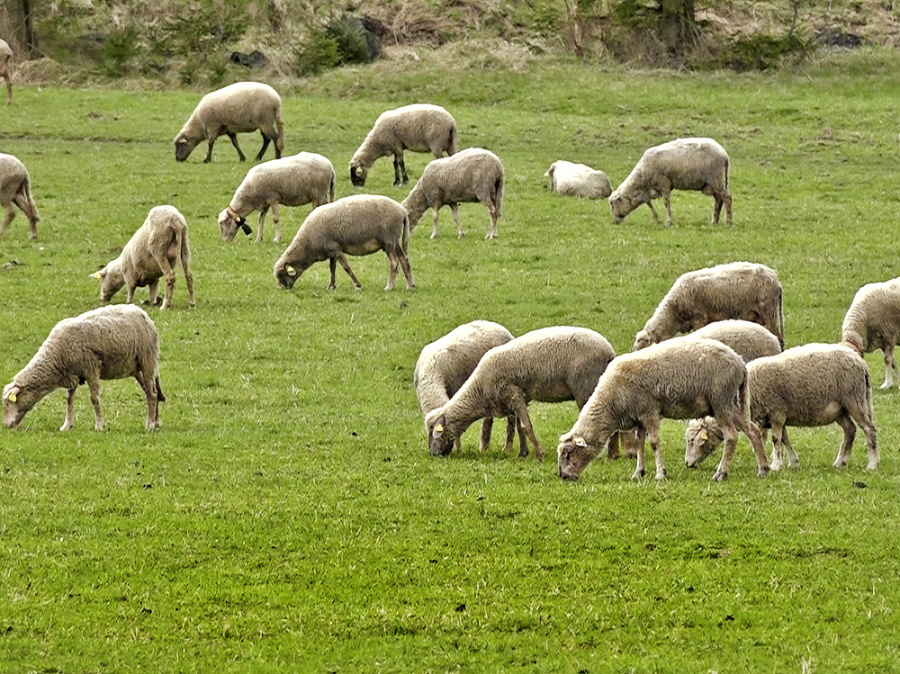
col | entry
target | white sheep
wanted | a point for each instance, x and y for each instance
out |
(873, 322)
(445, 364)
(577, 180)
(468, 176)
(810, 385)
(682, 164)
(237, 108)
(681, 378)
(741, 290)
(111, 342)
(291, 181)
(417, 128)
(361, 224)
(151, 253)
(546, 365)
(6, 54)
(15, 188)
(749, 340)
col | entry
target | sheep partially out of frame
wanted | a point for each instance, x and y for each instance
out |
(6, 54)
(15, 188)
(873, 322)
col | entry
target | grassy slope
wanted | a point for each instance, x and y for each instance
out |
(288, 516)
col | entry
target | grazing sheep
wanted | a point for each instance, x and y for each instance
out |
(682, 164)
(356, 225)
(237, 108)
(469, 175)
(577, 180)
(740, 290)
(150, 254)
(111, 342)
(6, 54)
(445, 364)
(291, 181)
(15, 188)
(873, 322)
(810, 385)
(749, 340)
(547, 365)
(417, 128)
(681, 378)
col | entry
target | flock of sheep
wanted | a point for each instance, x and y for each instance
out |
(727, 373)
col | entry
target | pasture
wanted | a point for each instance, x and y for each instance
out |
(288, 516)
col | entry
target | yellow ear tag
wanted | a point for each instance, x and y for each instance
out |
(12, 397)
(438, 429)
(580, 442)
(703, 436)
(97, 275)
(290, 270)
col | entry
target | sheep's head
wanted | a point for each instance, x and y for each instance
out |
(620, 205)
(111, 280)
(184, 146)
(573, 454)
(701, 438)
(643, 339)
(358, 174)
(286, 275)
(440, 441)
(230, 222)
(16, 402)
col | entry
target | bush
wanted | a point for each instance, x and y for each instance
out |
(342, 40)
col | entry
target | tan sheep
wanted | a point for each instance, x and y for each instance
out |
(873, 322)
(15, 188)
(577, 180)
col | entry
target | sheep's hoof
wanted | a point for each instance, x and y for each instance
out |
(719, 476)
(661, 475)
(638, 474)
(763, 471)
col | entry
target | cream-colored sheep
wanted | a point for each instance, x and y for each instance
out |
(6, 54)
(577, 180)
(15, 188)
(873, 322)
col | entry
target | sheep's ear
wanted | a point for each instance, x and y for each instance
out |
(580, 442)
(97, 276)
(290, 270)
(10, 395)
(703, 437)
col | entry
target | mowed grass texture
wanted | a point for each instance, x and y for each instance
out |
(288, 517)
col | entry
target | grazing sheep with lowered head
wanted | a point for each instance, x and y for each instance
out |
(810, 385)
(417, 128)
(577, 180)
(741, 290)
(682, 164)
(6, 54)
(469, 175)
(361, 224)
(680, 378)
(291, 181)
(107, 343)
(15, 188)
(151, 253)
(873, 322)
(547, 365)
(237, 108)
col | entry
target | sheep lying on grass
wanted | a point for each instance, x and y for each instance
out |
(682, 164)
(6, 54)
(740, 290)
(577, 180)
(873, 322)
(108, 343)
(810, 385)
(681, 378)
(151, 253)
(469, 175)
(547, 365)
(417, 128)
(291, 181)
(445, 364)
(356, 225)
(237, 108)
(15, 188)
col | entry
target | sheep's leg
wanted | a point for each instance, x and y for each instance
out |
(407, 270)
(332, 265)
(454, 209)
(277, 222)
(730, 434)
(398, 159)
(209, 151)
(234, 141)
(667, 199)
(843, 457)
(261, 224)
(889, 366)
(511, 427)
(653, 437)
(23, 202)
(653, 211)
(265, 146)
(153, 287)
(394, 262)
(640, 467)
(169, 273)
(149, 386)
(434, 230)
(727, 199)
(742, 422)
(778, 442)
(94, 385)
(188, 281)
(521, 409)
(717, 209)
(486, 426)
(612, 447)
(793, 457)
(10, 214)
(70, 410)
(403, 175)
(346, 265)
(494, 212)
(872, 441)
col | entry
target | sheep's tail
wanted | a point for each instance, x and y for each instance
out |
(185, 251)
(779, 317)
(26, 192)
(498, 192)
(279, 128)
(453, 141)
(727, 166)
(160, 396)
(331, 188)
(404, 237)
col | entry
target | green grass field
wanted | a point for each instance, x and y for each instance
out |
(288, 516)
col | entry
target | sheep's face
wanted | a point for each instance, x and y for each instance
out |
(701, 438)
(642, 340)
(183, 147)
(358, 175)
(111, 281)
(574, 453)
(16, 402)
(286, 275)
(440, 441)
(230, 222)
(620, 205)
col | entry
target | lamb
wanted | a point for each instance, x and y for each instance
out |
(361, 224)
(682, 164)
(445, 364)
(469, 175)
(547, 365)
(741, 290)
(111, 342)
(151, 253)
(873, 322)
(417, 128)
(291, 181)
(577, 180)
(6, 54)
(15, 188)
(237, 108)
(810, 385)
(681, 378)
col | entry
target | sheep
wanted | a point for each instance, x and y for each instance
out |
(577, 180)
(682, 164)
(151, 253)
(873, 322)
(546, 365)
(111, 342)
(417, 128)
(445, 364)
(361, 224)
(809, 385)
(749, 340)
(469, 175)
(6, 54)
(741, 290)
(15, 188)
(291, 181)
(237, 108)
(681, 378)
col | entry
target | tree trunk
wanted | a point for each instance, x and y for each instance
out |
(677, 25)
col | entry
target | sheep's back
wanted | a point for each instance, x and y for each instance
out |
(749, 340)
(241, 105)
